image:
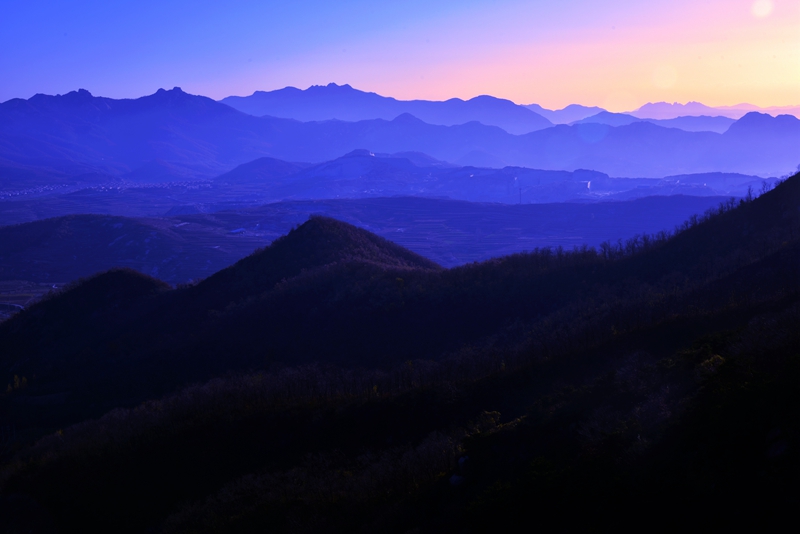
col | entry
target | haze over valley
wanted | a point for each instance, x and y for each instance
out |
(199, 185)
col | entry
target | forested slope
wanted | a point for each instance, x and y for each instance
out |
(365, 389)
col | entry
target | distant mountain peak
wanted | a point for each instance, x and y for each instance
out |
(407, 118)
(675, 104)
(174, 90)
(345, 103)
(763, 123)
(79, 95)
(666, 110)
(569, 114)
(318, 242)
(324, 240)
(359, 152)
(755, 116)
(325, 88)
(177, 97)
(609, 118)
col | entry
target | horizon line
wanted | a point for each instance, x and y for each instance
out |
(728, 107)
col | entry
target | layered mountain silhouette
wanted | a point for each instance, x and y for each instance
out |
(716, 124)
(610, 119)
(342, 102)
(193, 246)
(346, 103)
(666, 110)
(363, 174)
(358, 175)
(334, 311)
(76, 134)
(567, 115)
(72, 132)
(699, 123)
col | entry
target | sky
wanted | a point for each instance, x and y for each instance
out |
(618, 54)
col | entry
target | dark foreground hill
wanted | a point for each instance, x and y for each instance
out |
(372, 391)
(318, 243)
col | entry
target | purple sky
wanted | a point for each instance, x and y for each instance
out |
(618, 54)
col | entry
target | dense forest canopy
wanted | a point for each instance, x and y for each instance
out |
(336, 382)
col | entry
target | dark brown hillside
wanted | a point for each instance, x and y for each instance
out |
(428, 315)
(102, 353)
(331, 293)
(469, 302)
(735, 237)
(36, 342)
(82, 303)
(320, 241)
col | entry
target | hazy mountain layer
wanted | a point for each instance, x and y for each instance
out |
(688, 123)
(66, 248)
(346, 103)
(359, 174)
(665, 110)
(192, 247)
(362, 174)
(567, 115)
(322, 103)
(174, 134)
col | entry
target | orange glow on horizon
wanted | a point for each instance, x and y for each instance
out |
(718, 53)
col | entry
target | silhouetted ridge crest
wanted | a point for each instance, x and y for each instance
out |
(318, 242)
(774, 211)
(111, 287)
(732, 238)
(86, 299)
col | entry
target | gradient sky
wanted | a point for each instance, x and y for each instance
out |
(618, 54)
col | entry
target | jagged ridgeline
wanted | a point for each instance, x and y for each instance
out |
(343, 383)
